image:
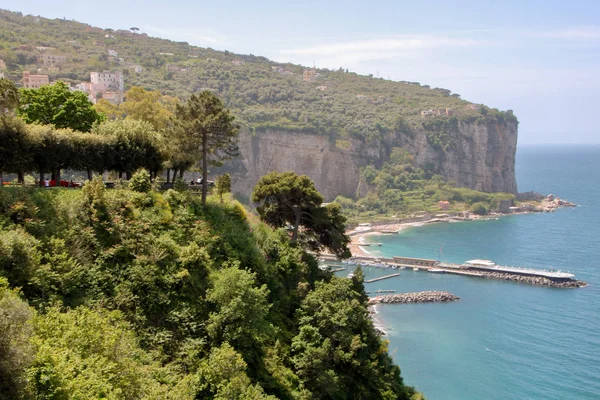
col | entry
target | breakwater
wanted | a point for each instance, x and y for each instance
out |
(429, 296)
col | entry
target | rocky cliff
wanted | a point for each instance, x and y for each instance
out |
(479, 156)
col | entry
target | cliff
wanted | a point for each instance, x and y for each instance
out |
(481, 156)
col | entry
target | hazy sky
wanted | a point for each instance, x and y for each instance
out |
(538, 58)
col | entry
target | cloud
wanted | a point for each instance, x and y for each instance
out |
(380, 48)
(581, 32)
(202, 38)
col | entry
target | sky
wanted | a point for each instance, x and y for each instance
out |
(540, 59)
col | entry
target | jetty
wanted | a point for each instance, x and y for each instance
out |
(381, 278)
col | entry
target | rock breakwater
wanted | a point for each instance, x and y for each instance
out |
(414, 297)
(533, 280)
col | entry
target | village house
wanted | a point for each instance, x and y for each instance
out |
(34, 81)
(106, 85)
(321, 87)
(113, 53)
(52, 59)
(173, 68)
(444, 205)
(2, 65)
(136, 68)
(44, 48)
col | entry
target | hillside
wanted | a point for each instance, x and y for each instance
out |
(263, 93)
(128, 295)
(358, 120)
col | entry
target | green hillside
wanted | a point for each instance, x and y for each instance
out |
(262, 94)
(118, 294)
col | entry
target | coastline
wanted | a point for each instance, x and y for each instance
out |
(359, 234)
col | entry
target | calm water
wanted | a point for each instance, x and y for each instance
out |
(505, 340)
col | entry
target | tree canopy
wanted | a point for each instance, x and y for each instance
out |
(206, 132)
(9, 96)
(59, 106)
(287, 199)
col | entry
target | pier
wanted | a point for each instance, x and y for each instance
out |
(473, 268)
(382, 278)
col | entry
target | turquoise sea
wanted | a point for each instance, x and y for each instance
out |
(505, 340)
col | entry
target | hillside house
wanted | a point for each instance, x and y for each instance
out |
(444, 205)
(34, 81)
(172, 68)
(135, 68)
(52, 59)
(321, 87)
(2, 65)
(113, 53)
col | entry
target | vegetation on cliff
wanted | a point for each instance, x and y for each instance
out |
(138, 294)
(399, 188)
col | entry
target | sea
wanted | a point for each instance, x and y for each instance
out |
(505, 340)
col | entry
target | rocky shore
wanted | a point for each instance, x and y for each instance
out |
(533, 280)
(414, 297)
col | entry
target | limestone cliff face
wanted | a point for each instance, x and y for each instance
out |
(481, 157)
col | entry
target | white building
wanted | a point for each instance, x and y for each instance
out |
(111, 80)
(113, 53)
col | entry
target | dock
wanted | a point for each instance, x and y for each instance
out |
(382, 278)
(473, 268)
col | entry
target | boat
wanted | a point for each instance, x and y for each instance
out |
(351, 275)
(415, 269)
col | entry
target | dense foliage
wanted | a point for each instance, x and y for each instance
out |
(127, 294)
(399, 188)
(290, 200)
(57, 105)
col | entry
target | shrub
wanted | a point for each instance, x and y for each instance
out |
(140, 181)
(479, 208)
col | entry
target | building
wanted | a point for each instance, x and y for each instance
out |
(113, 53)
(136, 68)
(309, 75)
(34, 81)
(321, 88)
(52, 59)
(108, 85)
(444, 205)
(415, 261)
(111, 80)
(237, 62)
(172, 68)
(2, 65)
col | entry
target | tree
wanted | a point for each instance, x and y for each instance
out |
(57, 105)
(206, 130)
(15, 147)
(16, 351)
(149, 106)
(9, 96)
(223, 185)
(288, 199)
(337, 352)
(134, 144)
